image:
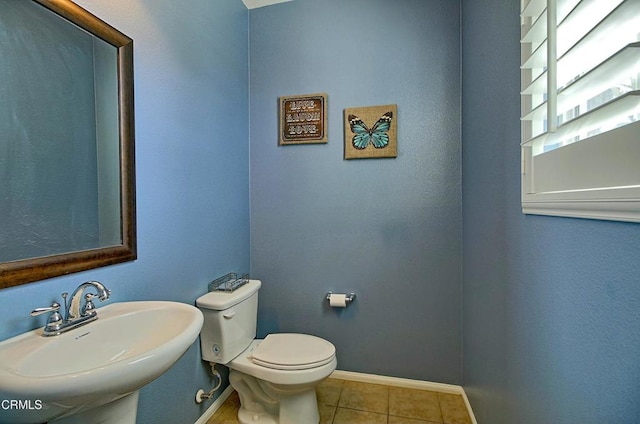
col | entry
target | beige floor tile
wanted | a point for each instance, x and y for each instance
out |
(365, 397)
(220, 419)
(403, 420)
(454, 411)
(327, 413)
(328, 391)
(371, 404)
(352, 416)
(228, 412)
(413, 403)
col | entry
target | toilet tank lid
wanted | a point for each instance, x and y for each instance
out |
(219, 300)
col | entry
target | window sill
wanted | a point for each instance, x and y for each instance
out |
(609, 204)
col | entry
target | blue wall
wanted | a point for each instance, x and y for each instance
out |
(386, 229)
(551, 305)
(191, 99)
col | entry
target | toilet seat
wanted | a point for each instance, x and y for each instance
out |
(244, 364)
(290, 351)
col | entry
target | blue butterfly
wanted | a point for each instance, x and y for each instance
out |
(377, 135)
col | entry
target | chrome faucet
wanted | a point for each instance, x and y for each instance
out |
(74, 311)
(75, 315)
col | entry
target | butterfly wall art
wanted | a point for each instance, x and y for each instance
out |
(370, 132)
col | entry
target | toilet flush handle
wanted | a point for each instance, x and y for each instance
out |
(230, 314)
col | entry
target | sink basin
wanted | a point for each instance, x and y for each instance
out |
(97, 368)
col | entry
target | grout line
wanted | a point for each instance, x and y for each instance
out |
(440, 408)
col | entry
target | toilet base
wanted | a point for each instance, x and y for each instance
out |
(300, 408)
(266, 403)
(246, 417)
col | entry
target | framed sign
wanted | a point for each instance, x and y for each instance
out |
(371, 132)
(303, 119)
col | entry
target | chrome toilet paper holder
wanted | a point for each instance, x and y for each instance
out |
(348, 298)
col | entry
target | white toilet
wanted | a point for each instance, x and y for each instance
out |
(276, 378)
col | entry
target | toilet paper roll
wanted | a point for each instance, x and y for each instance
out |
(338, 300)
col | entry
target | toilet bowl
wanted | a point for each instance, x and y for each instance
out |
(286, 391)
(275, 377)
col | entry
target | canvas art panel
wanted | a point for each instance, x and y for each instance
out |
(371, 132)
(303, 119)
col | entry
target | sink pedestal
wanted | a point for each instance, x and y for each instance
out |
(121, 411)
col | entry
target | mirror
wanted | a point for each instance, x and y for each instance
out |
(67, 182)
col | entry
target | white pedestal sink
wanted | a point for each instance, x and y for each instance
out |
(92, 374)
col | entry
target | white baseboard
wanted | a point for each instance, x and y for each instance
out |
(363, 378)
(469, 410)
(396, 382)
(406, 383)
(215, 405)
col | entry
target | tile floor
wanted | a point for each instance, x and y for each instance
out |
(350, 402)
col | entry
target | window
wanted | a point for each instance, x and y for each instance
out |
(580, 118)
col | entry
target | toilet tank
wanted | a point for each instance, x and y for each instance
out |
(229, 322)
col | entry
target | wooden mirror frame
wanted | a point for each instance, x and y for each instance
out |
(33, 269)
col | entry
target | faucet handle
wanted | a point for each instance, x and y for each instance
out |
(89, 307)
(55, 307)
(55, 319)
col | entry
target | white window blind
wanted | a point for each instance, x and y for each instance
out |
(580, 117)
